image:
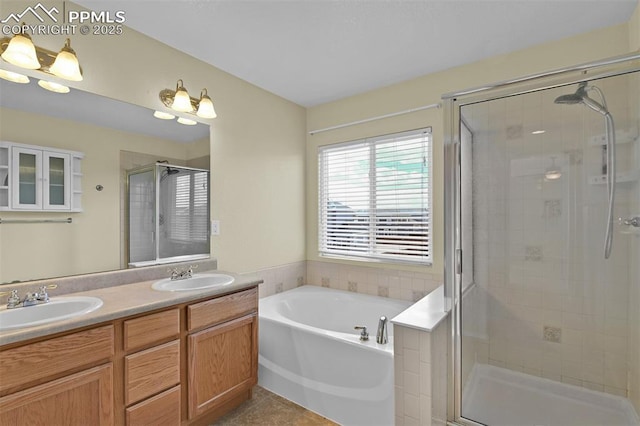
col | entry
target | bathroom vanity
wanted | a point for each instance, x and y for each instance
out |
(173, 359)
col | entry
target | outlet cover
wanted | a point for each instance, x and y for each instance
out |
(215, 227)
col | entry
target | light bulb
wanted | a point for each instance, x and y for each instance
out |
(21, 52)
(66, 64)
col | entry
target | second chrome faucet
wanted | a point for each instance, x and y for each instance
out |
(382, 336)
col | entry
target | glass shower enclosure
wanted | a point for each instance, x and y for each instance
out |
(168, 214)
(543, 248)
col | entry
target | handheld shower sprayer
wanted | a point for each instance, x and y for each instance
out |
(581, 96)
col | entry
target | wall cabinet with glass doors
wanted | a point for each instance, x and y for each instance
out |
(37, 178)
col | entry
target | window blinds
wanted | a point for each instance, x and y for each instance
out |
(375, 198)
(190, 218)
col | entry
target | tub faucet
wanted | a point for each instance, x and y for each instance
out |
(382, 336)
(364, 336)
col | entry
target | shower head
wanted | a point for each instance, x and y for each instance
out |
(573, 98)
(581, 97)
(171, 171)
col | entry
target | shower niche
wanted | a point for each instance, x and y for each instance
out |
(167, 214)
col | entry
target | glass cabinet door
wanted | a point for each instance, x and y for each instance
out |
(27, 179)
(56, 183)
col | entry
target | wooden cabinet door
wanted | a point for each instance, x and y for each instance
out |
(81, 399)
(223, 363)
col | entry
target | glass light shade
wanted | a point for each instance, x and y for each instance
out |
(163, 115)
(13, 76)
(21, 52)
(66, 64)
(53, 87)
(186, 121)
(552, 174)
(205, 108)
(182, 101)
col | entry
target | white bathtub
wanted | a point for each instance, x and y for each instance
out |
(311, 354)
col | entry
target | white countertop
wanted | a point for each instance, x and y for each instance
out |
(123, 301)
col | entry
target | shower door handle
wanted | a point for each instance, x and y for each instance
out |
(634, 221)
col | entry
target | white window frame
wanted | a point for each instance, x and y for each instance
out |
(370, 251)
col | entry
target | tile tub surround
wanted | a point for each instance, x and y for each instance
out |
(420, 362)
(126, 300)
(393, 283)
(282, 278)
(421, 375)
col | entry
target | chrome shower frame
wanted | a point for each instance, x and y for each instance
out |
(452, 104)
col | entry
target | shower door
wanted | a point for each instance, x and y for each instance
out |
(547, 331)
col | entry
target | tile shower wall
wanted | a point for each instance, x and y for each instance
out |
(554, 307)
(393, 283)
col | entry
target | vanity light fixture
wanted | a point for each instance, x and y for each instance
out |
(66, 64)
(20, 51)
(13, 76)
(163, 115)
(186, 121)
(53, 87)
(179, 100)
(205, 106)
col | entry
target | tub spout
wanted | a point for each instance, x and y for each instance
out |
(382, 336)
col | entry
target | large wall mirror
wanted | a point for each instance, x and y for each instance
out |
(115, 138)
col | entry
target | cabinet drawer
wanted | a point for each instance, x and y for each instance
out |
(161, 410)
(155, 328)
(38, 361)
(222, 309)
(151, 371)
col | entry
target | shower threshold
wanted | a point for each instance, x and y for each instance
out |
(500, 397)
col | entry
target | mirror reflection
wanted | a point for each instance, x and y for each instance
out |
(68, 156)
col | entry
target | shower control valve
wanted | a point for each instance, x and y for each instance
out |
(364, 336)
(634, 221)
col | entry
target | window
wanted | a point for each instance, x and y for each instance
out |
(375, 198)
(189, 210)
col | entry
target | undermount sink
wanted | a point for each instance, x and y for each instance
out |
(57, 309)
(197, 282)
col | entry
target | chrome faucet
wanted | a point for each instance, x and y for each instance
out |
(30, 299)
(364, 336)
(382, 336)
(182, 274)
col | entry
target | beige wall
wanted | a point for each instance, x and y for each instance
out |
(92, 242)
(257, 141)
(428, 89)
(634, 30)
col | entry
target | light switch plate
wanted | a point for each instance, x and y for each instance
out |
(215, 227)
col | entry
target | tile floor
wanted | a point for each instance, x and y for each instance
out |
(269, 409)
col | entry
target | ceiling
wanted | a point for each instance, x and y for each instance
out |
(316, 51)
